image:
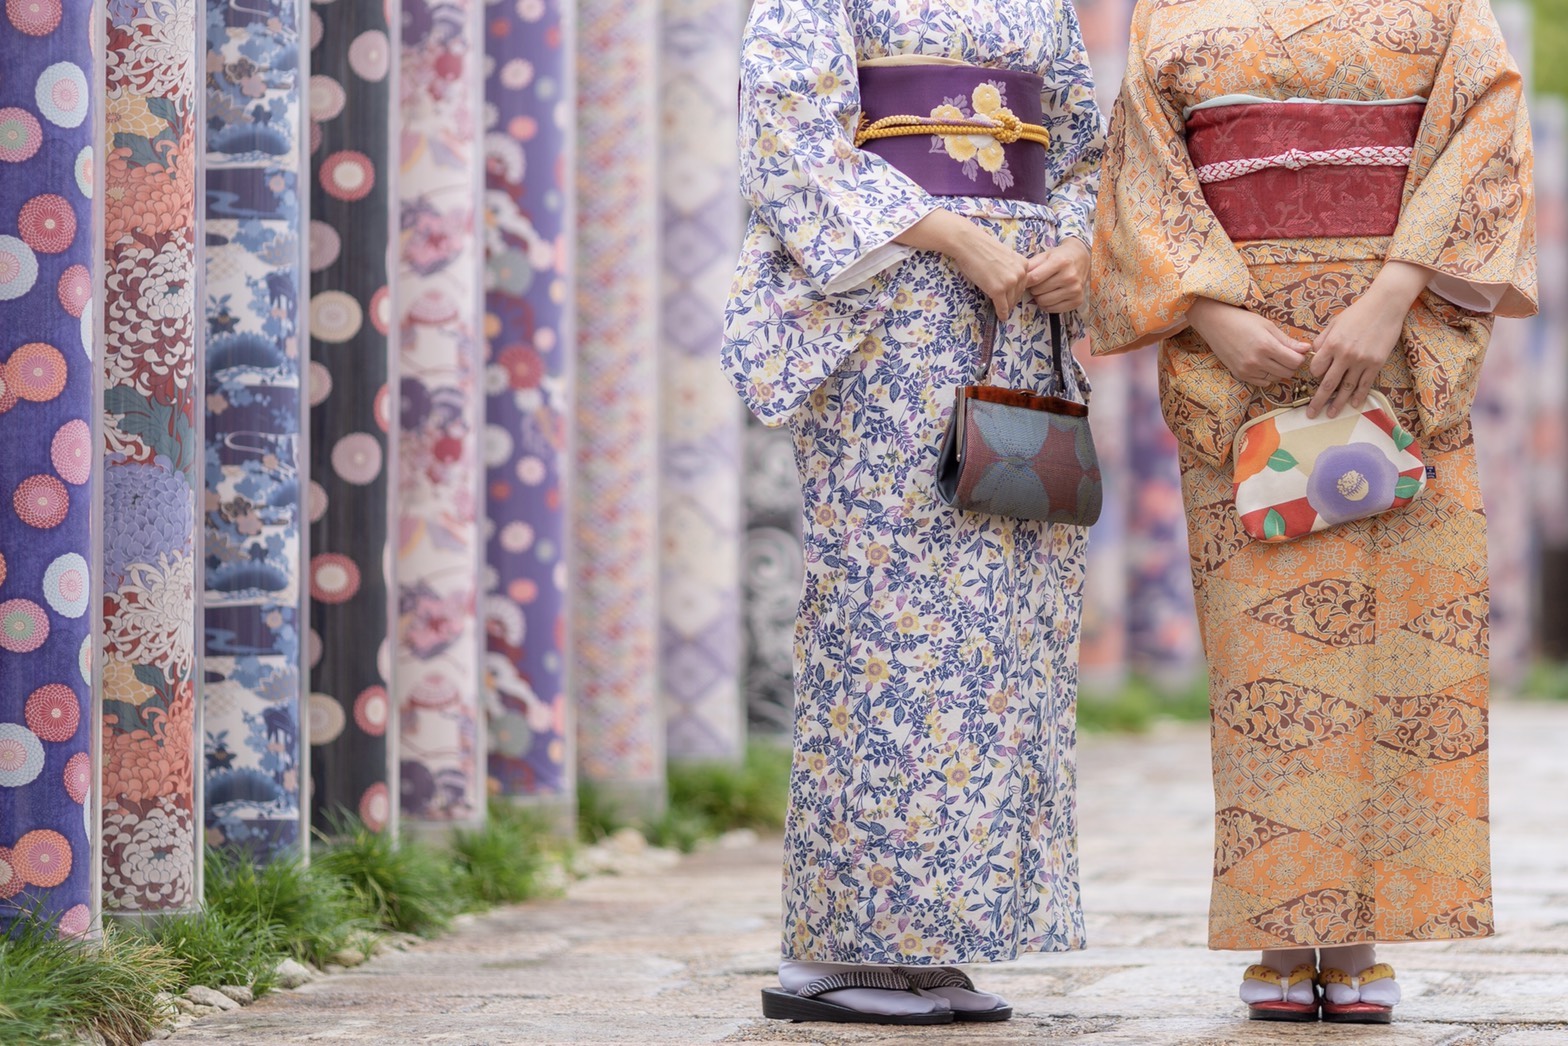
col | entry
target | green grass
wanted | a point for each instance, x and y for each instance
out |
(502, 862)
(50, 986)
(597, 816)
(1139, 704)
(215, 948)
(705, 800)
(1547, 681)
(1551, 43)
(309, 912)
(752, 795)
(407, 887)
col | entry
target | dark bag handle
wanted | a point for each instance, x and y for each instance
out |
(991, 336)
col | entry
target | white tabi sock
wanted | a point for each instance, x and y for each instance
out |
(965, 1001)
(794, 976)
(1282, 961)
(1352, 959)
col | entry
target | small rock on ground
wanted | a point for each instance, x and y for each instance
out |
(239, 993)
(291, 974)
(348, 957)
(201, 995)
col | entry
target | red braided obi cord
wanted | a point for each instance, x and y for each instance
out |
(1286, 170)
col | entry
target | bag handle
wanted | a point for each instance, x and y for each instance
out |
(991, 337)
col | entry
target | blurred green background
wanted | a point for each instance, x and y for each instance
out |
(1551, 46)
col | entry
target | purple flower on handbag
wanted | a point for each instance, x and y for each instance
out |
(1351, 482)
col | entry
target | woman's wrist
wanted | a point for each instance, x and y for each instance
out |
(1203, 310)
(1398, 284)
(940, 230)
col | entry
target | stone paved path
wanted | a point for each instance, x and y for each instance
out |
(679, 957)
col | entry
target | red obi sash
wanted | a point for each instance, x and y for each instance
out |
(1286, 170)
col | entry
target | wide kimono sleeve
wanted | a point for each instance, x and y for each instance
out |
(1469, 209)
(1468, 216)
(1076, 127)
(1157, 245)
(835, 208)
(818, 262)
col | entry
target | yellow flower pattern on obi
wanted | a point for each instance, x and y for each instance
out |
(977, 152)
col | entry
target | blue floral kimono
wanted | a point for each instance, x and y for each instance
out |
(932, 816)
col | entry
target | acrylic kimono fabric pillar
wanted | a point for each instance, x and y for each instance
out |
(49, 269)
(1502, 428)
(1162, 626)
(1548, 347)
(615, 504)
(152, 468)
(699, 496)
(352, 207)
(439, 299)
(255, 343)
(773, 569)
(528, 192)
(1102, 654)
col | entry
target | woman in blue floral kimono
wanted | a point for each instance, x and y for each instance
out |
(932, 817)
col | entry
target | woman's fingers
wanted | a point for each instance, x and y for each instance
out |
(1327, 388)
(1342, 395)
(1059, 300)
(1363, 388)
(1282, 358)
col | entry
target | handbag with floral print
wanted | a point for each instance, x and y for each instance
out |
(1296, 475)
(1009, 452)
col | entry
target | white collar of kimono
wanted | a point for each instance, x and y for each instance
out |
(912, 59)
(1252, 99)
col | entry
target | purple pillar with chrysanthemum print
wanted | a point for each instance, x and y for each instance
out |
(528, 381)
(152, 464)
(49, 271)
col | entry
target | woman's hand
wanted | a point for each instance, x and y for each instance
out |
(1253, 349)
(1000, 272)
(1352, 349)
(1058, 277)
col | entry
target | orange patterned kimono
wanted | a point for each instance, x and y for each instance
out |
(1348, 669)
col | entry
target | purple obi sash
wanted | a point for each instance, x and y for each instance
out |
(985, 136)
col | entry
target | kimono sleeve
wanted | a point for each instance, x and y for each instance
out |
(1469, 210)
(1077, 129)
(835, 208)
(1157, 245)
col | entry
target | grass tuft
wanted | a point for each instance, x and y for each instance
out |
(502, 862)
(309, 912)
(705, 800)
(406, 887)
(215, 948)
(1139, 704)
(50, 986)
(753, 795)
(1547, 681)
(597, 816)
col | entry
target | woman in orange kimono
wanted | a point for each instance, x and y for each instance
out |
(1333, 195)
